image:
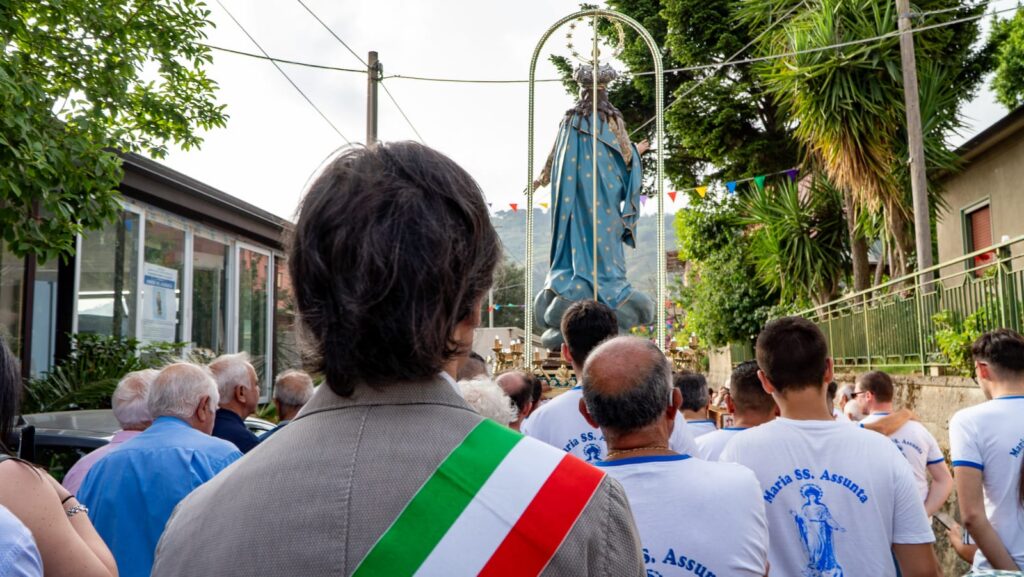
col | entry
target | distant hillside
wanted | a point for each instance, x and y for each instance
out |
(641, 263)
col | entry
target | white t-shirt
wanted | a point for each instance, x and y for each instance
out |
(560, 424)
(990, 437)
(700, 427)
(917, 445)
(695, 517)
(837, 497)
(711, 445)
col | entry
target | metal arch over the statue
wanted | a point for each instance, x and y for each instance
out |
(548, 314)
(578, 197)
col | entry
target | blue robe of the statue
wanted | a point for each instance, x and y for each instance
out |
(572, 204)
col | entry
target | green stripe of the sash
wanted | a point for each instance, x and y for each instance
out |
(439, 502)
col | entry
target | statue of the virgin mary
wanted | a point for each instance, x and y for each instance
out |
(569, 170)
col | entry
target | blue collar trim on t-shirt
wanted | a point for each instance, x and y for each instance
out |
(880, 414)
(635, 460)
(701, 421)
(735, 428)
(1007, 397)
(576, 388)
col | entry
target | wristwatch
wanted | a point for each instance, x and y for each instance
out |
(79, 508)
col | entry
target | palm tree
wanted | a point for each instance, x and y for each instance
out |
(847, 103)
(798, 238)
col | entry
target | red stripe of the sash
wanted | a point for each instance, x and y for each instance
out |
(549, 517)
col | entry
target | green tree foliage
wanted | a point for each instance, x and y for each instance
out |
(798, 239)
(79, 81)
(1009, 80)
(847, 102)
(723, 299)
(509, 281)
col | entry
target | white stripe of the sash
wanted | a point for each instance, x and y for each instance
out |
(483, 525)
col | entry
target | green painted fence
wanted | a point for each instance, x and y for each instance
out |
(892, 325)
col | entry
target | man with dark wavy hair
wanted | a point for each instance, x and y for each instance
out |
(387, 470)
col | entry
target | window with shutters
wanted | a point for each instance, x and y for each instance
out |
(979, 236)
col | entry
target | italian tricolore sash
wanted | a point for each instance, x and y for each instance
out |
(499, 504)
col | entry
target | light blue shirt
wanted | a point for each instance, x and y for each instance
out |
(132, 492)
(19, 556)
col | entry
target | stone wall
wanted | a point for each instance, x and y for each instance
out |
(935, 400)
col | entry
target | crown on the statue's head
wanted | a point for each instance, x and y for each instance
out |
(584, 75)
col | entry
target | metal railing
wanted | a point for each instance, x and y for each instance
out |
(893, 324)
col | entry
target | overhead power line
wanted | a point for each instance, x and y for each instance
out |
(402, 112)
(336, 37)
(283, 73)
(384, 86)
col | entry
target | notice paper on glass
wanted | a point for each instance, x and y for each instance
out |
(159, 304)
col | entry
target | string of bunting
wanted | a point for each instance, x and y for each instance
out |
(730, 185)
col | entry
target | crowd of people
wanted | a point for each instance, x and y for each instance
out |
(411, 459)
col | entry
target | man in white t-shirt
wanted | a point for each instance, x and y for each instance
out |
(874, 393)
(986, 444)
(749, 405)
(696, 400)
(559, 422)
(694, 517)
(839, 499)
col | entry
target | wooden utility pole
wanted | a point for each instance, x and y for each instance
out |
(373, 74)
(918, 175)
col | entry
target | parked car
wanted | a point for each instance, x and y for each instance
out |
(63, 437)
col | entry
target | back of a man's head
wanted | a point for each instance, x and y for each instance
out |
(585, 325)
(392, 250)
(293, 388)
(519, 387)
(627, 384)
(694, 388)
(178, 389)
(793, 354)
(748, 395)
(232, 371)
(472, 367)
(130, 400)
(879, 384)
(1003, 351)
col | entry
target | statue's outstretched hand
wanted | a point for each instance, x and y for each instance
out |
(643, 146)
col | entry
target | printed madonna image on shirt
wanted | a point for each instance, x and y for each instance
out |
(822, 506)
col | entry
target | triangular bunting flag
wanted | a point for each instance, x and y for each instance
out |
(702, 191)
(792, 174)
(643, 200)
(672, 195)
(544, 205)
(515, 207)
(759, 181)
(731, 185)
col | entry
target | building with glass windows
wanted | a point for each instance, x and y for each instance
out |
(183, 262)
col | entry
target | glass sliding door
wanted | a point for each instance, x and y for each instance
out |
(253, 309)
(163, 276)
(108, 278)
(286, 347)
(209, 294)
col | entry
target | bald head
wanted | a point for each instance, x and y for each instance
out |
(627, 384)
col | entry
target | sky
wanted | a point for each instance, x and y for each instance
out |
(275, 141)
